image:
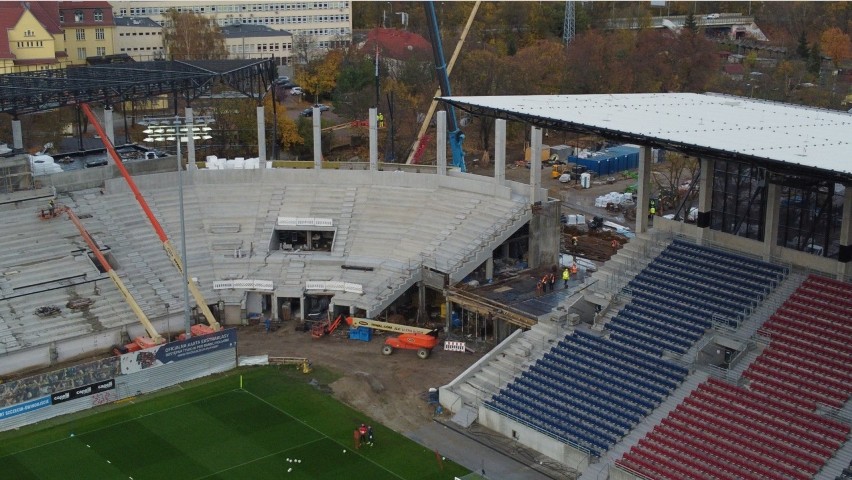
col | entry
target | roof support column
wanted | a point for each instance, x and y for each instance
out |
(535, 165)
(643, 194)
(109, 124)
(374, 141)
(317, 138)
(705, 196)
(500, 152)
(261, 137)
(189, 123)
(17, 135)
(770, 222)
(441, 158)
(844, 264)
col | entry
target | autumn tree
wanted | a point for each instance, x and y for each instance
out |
(320, 75)
(275, 115)
(836, 45)
(190, 36)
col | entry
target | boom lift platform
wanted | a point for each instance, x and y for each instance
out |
(212, 323)
(412, 338)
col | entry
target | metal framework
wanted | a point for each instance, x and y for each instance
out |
(31, 92)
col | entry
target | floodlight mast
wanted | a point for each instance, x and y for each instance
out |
(155, 224)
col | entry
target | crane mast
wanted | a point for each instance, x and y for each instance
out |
(454, 135)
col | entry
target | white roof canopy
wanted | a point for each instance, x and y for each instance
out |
(709, 124)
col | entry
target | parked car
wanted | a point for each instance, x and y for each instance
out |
(296, 91)
(309, 112)
(712, 16)
(282, 80)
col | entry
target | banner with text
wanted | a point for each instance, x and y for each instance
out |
(175, 351)
(74, 393)
(24, 407)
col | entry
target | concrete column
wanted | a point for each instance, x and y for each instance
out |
(844, 265)
(109, 125)
(535, 165)
(489, 269)
(17, 136)
(500, 151)
(643, 195)
(317, 139)
(773, 209)
(302, 308)
(261, 137)
(441, 159)
(374, 141)
(705, 197)
(190, 139)
(421, 300)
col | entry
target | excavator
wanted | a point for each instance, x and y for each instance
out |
(212, 323)
(412, 338)
(138, 343)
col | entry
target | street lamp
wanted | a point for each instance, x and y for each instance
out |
(177, 129)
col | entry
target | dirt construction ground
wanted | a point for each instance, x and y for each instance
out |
(390, 389)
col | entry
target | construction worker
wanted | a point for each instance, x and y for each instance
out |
(551, 281)
(574, 241)
(362, 430)
(380, 118)
(544, 281)
(51, 206)
(614, 244)
(566, 275)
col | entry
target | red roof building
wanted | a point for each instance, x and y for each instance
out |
(396, 44)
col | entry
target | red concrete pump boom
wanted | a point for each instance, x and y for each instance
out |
(170, 250)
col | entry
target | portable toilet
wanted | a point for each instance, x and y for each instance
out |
(586, 180)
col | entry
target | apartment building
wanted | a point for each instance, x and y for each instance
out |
(257, 41)
(31, 37)
(89, 30)
(314, 26)
(140, 38)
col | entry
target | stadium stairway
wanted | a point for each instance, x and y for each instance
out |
(838, 464)
(631, 259)
(529, 347)
(646, 425)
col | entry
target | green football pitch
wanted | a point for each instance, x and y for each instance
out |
(277, 426)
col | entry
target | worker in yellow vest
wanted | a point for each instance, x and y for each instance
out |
(566, 275)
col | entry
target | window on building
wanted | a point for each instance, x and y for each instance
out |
(99, 34)
(61, 17)
(99, 15)
(78, 15)
(101, 51)
(81, 34)
(81, 53)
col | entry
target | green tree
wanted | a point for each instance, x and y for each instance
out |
(190, 36)
(815, 60)
(690, 23)
(802, 49)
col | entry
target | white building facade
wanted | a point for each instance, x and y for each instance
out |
(139, 37)
(315, 26)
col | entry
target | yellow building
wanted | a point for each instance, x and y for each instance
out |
(31, 37)
(89, 30)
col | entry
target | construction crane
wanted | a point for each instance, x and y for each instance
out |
(569, 23)
(138, 343)
(412, 338)
(212, 323)
(454, 135)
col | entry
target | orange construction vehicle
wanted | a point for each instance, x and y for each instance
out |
(412, 338)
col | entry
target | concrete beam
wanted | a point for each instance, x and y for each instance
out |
(643, 195)
(500, 152)
(441, 159)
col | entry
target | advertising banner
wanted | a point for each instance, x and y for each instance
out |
(80, 392)
(24, 407)
(176, 351)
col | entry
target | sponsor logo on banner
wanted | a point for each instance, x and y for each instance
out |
(81, 392)
(176, 351)
(454, 346)
(24, 407)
